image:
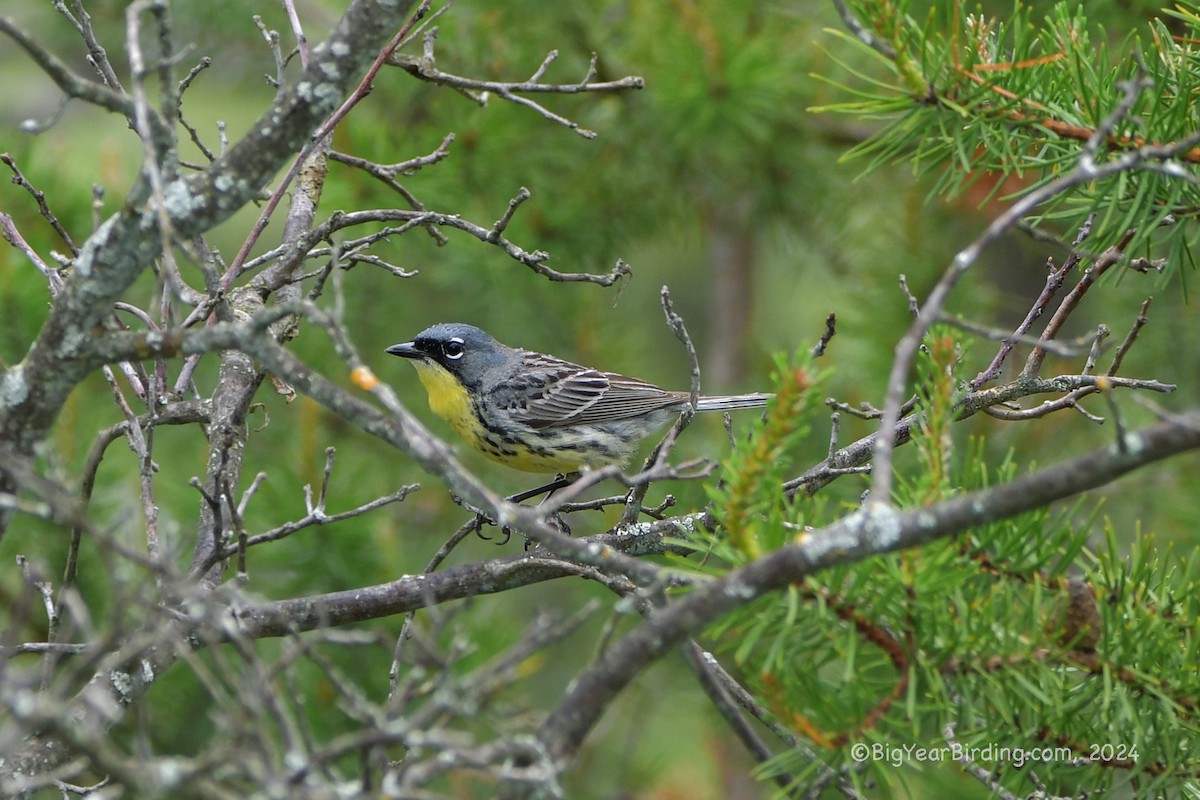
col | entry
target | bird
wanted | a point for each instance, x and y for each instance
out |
(539, 413)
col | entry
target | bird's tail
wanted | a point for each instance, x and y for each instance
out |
(733, 401)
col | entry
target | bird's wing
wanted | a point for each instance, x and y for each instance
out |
(629, 397)
(553, 392)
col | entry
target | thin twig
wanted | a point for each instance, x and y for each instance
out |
(40, 198)
(827, 335)
(1130, 338)
(860, 31)
(422, 67)
(657, 458)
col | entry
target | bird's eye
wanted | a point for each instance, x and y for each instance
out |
(453, 348)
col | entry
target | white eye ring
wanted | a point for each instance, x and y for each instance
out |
(453, 348)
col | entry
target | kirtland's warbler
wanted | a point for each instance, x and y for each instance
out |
(538, 413)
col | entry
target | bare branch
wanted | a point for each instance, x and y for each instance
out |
(849, 459)
(97, 55)
(8, 230)
(436, 588)
(119, 250)
(40, 198)
(478, 90)
(71, 84)
(320, 518)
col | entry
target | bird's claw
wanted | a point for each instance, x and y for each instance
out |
(554, 520)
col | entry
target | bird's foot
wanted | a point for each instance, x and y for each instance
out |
(555, 520)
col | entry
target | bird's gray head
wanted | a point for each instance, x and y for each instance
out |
(462, 350)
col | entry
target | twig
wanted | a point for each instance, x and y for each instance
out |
(97, 55)
(8, 230)
(271, 37)
(704, 666)
(386, 173)
(1098, 338)
(1054, 282)
(1115, 414)
(297, 31)
(818, 349)
(422, 67)
(140, 442)
(974, 770)
(318, 517)
(849, 460)
(40, 198)
(600, 503)
(657, 458)
(1130, 338)
(1069, 349)
(860, 31)
(865, 410)
(407, 167)
(184, 84)
(442, 553)
(502, 223)
(1102, 264)
(71, 84)
(914, 308)
(535, 259)
(60, 648)
(835, 420)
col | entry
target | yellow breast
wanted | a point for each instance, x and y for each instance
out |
(449, 400)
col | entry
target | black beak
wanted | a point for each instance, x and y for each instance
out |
(406, 350)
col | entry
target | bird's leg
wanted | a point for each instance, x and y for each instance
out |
(560, 482)
(555, 520)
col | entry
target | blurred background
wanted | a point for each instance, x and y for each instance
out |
(715, 180)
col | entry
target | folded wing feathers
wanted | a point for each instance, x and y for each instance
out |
(731, 402)
(568, 394)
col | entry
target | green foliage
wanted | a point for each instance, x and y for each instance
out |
(748, 503)
(936, 390)
(968, 97)
(1033, 634)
